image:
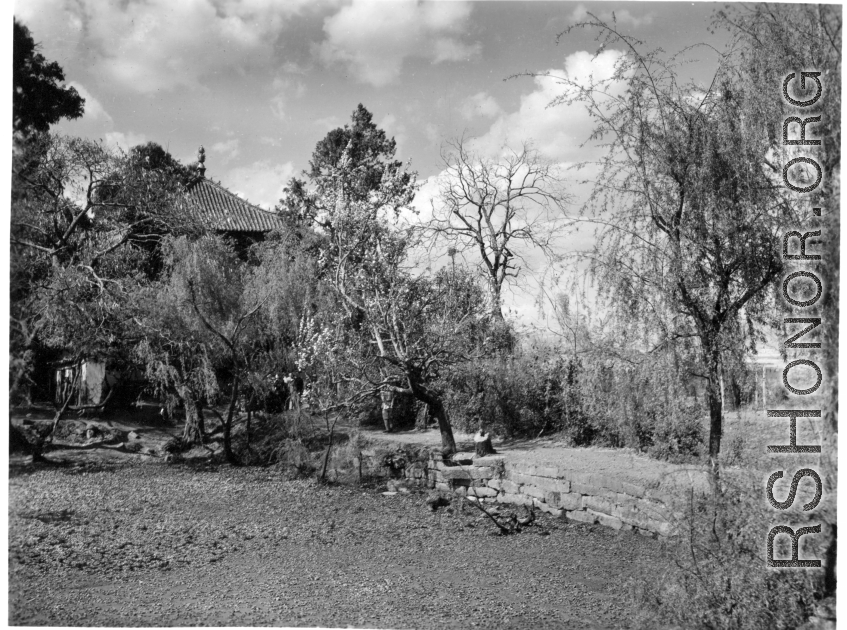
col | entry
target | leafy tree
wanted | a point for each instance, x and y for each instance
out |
(371, 154)
(398, 331)
(497, 207)
(38, 98)
(690, 215)
(81, 224)
(195, 325)
(770, 42)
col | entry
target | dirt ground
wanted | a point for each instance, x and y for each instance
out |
(108, 534)
(147, 544)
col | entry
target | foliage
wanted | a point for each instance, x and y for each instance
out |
(716, 576)
(639, 403)
(84, 228)
(689, 207)
(370, 154)
(38, 98)
(194, 326)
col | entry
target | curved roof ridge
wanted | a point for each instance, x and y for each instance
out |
(225, 211)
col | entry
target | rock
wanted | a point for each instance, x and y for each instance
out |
(132, 435)
(482, 492)
(580, 516)
(389, 494)
(436, 500)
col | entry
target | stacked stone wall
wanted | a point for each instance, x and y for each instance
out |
(559, 491)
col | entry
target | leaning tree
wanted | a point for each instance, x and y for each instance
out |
(397, 331)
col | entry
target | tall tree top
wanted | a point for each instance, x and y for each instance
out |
(369, 149)
(39, 98)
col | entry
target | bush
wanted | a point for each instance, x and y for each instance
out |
(716, 575)
(641, 403)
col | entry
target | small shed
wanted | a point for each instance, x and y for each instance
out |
(86, 381)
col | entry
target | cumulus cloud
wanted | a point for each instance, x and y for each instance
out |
(284, 89)
(260, 183)
(394, 129)
(160, 44)
(558, 131)
(373, 39)
(229, 149)
(93, 109)
(580, 13)
(124, 141)
(480, 105)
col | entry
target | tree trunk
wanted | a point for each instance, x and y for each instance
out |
(192, 433)
(482, 444)
(230, 413)
(715, 402)
(437, 411)
(496, 304)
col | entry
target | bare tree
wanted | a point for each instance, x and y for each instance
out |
(498, 208)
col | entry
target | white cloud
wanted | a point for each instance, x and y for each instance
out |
(373, 39)
(229, 149)
(394, 129)
(284, 89)
(580, 13)
(159, 44)
(260, 183)
(480, 105)
(124, 141)
(555, 131)
(329, 123)
(93, 109)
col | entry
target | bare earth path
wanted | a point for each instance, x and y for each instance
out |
(146, 544)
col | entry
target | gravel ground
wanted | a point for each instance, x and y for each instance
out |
(156, 545)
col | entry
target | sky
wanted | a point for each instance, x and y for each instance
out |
(259, 82)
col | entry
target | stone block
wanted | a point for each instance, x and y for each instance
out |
(570, 500)
(581, 516)
(598, 504)
(445, 487)
(550, 484)
(534, 492)
(521, 478)
(548, 509)
(583, 488)
(497, 484)
(514, 499)
(488, 460)
(509, 486)
(566, 500)
(482, 492)
(546, 471)
(454, 472)
(460, 490)
(607, 521)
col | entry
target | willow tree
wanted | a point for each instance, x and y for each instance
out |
(773, 40)
(689, 207)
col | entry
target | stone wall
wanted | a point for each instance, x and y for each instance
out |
(564, 493)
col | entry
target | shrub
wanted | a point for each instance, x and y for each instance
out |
(716, 575)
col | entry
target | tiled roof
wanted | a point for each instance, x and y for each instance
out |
(224, 211)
